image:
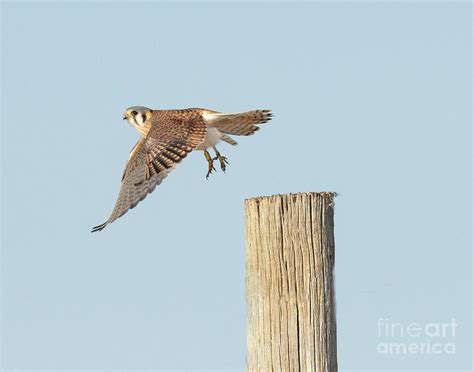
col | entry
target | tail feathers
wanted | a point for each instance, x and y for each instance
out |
(241, 123)
(228, 139)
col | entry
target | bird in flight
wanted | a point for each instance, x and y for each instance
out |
(167, 137)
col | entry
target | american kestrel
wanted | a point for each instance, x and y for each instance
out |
(166, 138)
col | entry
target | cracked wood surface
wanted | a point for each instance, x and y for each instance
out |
(290, 294)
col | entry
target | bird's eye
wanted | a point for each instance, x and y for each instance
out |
(134, 113)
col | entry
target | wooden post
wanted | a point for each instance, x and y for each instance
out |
(290, 293)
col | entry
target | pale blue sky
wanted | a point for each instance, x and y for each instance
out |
(371, 99)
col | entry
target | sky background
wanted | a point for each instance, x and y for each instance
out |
(371, 99)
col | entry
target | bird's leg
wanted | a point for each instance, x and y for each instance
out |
(222, 159)
(210, 163)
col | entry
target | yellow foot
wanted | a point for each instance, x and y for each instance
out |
(210, 168)
(210, 164)
(222, 160)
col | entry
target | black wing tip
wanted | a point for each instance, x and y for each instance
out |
(99, 227)
(268, 115)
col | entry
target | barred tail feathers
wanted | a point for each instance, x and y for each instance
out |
(228, 139)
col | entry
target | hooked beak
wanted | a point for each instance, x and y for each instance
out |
(124, 117)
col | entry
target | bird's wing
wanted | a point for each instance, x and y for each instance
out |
(240, 123)
(169, 141)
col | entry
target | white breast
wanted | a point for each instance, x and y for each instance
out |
(213, 137)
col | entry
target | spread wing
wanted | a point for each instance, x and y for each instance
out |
(239, 123)
(173, 135)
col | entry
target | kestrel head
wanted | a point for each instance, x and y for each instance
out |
(137, 116)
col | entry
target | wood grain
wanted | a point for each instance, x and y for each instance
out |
(290, 294)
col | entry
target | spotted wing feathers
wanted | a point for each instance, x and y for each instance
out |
(168, 142)
(163, 157)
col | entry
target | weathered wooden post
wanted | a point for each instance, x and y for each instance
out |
(290, 294)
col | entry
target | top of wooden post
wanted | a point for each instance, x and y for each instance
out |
(257, 199)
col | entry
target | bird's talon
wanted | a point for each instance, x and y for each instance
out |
(210, 169)
(223, 161)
